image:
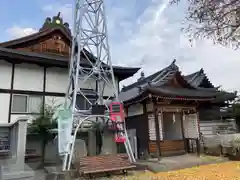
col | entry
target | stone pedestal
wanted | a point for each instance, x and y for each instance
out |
(12, 172)
(21, 175)
(18, 133)
(80, 150)
(21, 132)
(109, 146)
(14, 168)
(53, 173)
(92, 144)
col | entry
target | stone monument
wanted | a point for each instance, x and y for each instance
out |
(13, 167)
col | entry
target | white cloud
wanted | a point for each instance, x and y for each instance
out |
(153, 39)
(17, 32)
(153, 46)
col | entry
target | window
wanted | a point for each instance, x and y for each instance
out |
(19, 103)
(26, 104)
(44, 47)
(82, 103)
(34, 104)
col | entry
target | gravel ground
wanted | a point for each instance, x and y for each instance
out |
(218, 170)
(223, 171)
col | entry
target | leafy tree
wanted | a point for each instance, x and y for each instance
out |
(42, 126)
(218, 20)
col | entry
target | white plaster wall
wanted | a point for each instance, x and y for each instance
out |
(54, 100)
(56, 80)
(211, 127)
(28, 77)
(50, 100)
(136, 109)
(152, 129)
(190, 123)
(91, 84)
(149, 107)
(29, 117)
(4, 107)
(5, 75)
(109, 91)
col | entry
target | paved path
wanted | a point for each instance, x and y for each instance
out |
(179, 162)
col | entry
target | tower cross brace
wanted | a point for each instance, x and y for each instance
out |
(91, 76)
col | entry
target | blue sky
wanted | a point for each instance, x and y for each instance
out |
(142, 33)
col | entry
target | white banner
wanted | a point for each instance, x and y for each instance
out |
(65, 123)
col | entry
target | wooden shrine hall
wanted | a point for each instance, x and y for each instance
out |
(163, 109)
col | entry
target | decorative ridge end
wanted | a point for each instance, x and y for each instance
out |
(174, 66)
(201, 71)
(174, 61)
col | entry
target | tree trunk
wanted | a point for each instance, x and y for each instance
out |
(43, 146)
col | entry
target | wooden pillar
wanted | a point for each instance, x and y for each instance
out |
(198, 141)
(198, 123)
(183, 135)
(155, 110)
(146, 151)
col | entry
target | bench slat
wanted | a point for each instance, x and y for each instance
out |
(103, 163)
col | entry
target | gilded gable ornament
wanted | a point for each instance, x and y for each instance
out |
(55, 21)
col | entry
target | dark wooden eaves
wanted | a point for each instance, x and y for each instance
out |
(33, 37)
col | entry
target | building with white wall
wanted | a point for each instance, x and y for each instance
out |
(34, 71)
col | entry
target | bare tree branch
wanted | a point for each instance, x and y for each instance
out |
(218, 20)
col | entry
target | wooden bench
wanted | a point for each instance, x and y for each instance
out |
(103, 164)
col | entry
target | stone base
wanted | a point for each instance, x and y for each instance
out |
(16, 172)
(56, 174)
(22, 175)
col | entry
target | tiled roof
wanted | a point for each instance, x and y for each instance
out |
(154, 78)
(18, 56)
(157, 84)
(34, 37)
(196, 79)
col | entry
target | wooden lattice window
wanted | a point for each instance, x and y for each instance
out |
(44, 47)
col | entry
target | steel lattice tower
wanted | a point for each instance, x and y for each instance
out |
(90, 66)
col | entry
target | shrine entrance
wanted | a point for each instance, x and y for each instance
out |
(172, 126)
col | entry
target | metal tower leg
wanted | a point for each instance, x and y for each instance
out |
(91, 77)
